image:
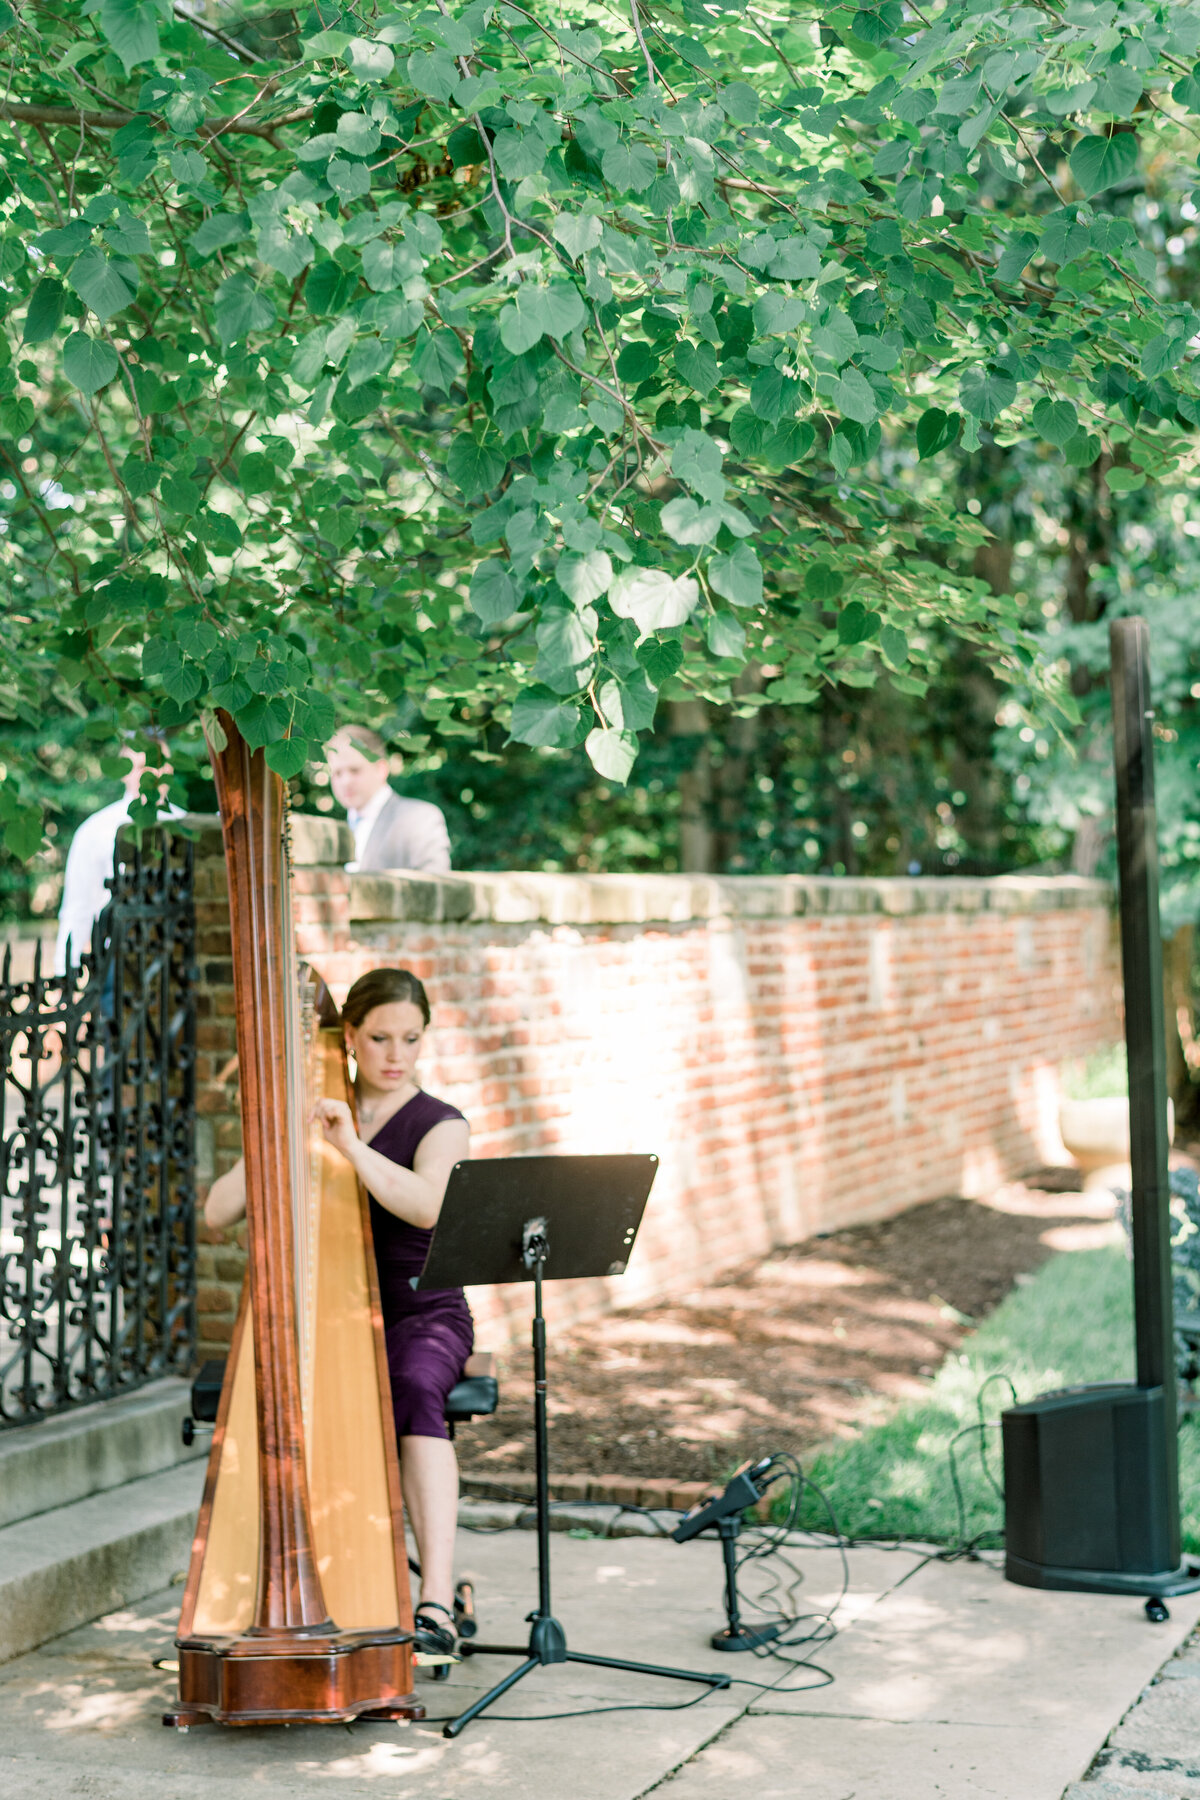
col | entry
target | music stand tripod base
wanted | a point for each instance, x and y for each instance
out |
(541, 1218)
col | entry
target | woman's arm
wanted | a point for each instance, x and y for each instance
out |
(226, 1202)
(414, 1195)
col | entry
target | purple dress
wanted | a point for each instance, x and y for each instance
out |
(429, 1335)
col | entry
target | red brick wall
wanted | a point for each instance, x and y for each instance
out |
(799, 1053)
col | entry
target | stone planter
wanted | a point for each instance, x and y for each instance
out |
(1096, 1134)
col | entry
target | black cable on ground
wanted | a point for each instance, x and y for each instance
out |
(765, 1544)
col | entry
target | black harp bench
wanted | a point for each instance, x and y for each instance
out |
(476, 1396)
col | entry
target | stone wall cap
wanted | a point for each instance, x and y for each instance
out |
(528, 897)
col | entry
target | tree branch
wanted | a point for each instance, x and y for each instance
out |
(112, 121)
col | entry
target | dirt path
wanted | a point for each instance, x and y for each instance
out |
(784, 1353)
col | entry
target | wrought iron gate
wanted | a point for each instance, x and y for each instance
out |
(97, 1160)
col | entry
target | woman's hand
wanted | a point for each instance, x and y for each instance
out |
(338, 1122)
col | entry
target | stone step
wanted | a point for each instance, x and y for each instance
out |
(93, 1449)
(93, 1556)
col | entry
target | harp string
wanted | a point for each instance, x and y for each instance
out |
(303, 1137)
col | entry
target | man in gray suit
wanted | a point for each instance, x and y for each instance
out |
(390, 831)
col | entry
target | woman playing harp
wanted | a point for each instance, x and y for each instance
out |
(402, 1148)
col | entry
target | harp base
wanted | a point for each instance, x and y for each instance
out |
(330, 1679)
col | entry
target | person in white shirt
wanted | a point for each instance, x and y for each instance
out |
(390, 831)
(90, 863)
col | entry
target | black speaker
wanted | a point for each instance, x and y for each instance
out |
(1091, 1479)
(1083, 1499)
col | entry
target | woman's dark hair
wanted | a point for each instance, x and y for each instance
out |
(383, 987)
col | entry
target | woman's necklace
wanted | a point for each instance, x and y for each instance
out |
(367, 1114)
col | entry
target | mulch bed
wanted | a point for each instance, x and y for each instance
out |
(785, 1353)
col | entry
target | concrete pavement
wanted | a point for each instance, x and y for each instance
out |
(946, 1682)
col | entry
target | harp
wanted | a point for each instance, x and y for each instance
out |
(296, 1605)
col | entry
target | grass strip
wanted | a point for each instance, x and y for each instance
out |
(1071, 1322)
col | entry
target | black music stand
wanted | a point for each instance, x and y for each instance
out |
(541, 1218)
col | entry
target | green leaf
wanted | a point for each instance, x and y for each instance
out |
(726, 636)
(661, 658)
(181, 495)
(986, 392)
(1098, 163)
(696, 460)
(583, 577)
(475, 468)
(1162, 353)
(562, 311)
(182, 681)
(540, 312)
(747, 432)
(638, 361)
(822, 582)
(1081, 451)
(697, 364)
(494, 594)
(518, 153)
(630, 168)
(88, 363)
(1017, 253)
(368, 61)
(218, 231)
(287, 757)
(1064, 238)
(577, 232)
(433, 74)
(855, 624)
(739, 102)
(219, 531)
(437, 359)
(45, 312)
(1119, 91)
(875, 26)
(1187, 90)
(854, 397)
(773, 395)
(99, 283)
(349, 180)
(688, 523)
(131, 27)
(612, 753)
(140, 477)
(935, 431)
(241, 309)
(1125, 481)
(894, 645)
(262, 721)
(653, 599)
(369, 357)
(630, 702)
(737, 576)
(357, 135)
(566, 648)
(1056, 421)
(539, 717)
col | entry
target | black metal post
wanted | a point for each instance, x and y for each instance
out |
(1145, 1039)
(541, 1440)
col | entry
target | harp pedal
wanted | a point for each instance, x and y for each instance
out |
(426, 1659)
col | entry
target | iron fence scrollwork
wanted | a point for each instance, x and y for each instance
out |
(97, 1157)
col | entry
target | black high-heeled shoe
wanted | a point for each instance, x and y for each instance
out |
(432, 1639)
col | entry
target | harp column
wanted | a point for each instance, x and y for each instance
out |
(289, 1597)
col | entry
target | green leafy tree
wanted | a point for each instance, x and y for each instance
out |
(548, 371)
